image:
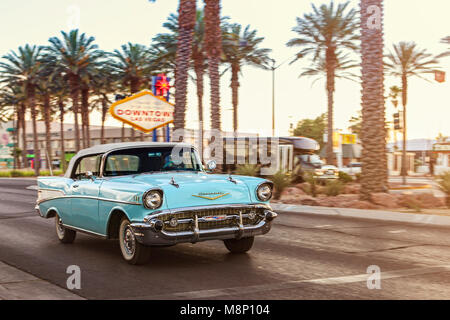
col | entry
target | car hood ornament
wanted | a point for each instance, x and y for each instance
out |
(210, 195)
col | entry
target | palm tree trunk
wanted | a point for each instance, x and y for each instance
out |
(199, 72)
(37, 151)
(235, 94)
(23, 109)
(134, 87)
(17, 155)
(61, 134)
(213, 39)
(104, 110)
(75, 92)
(331, 68)
(186, 22)
(404, 171)
(373, 176)
(48, 143)
(85, 115)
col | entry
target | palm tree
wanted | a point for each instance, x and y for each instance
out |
(132, 64)
(166, 44)
(61, 94)
(23, 68)
(320, 34)
(45, 86)
(213, 46)
(186, 23)
(445, 40)
(73, 54)
(105, 85)
(241, 47)
(13, 100)
(373, 135)
(407, 61)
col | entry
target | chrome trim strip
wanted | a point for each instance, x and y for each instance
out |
(88, 197)
(201, 220)
(85, 231)
(158, 213)
(48, 189)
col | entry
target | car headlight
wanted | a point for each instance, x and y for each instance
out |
(264, 192)
(153, 199)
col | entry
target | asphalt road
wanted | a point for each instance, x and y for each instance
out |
(303, 257)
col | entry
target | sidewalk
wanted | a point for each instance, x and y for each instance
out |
(365, 214)
(18, 285)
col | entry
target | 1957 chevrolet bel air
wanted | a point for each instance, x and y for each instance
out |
(154, 194)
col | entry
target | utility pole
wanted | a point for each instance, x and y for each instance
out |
(273, 96)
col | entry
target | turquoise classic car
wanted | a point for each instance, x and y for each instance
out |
(154, 194)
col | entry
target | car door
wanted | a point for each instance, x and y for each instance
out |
(84, 194)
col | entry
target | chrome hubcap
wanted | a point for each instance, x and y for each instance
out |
(60, 226)
(129, 242)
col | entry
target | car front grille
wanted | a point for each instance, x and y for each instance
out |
(226, 217)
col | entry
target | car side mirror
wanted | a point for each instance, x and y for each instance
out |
(90, 175)
(211, 165)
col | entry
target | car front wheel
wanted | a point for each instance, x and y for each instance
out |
(132, 251)
(64, 235)
(239, 245)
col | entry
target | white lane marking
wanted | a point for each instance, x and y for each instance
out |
(202, 294)
(323, 226)
(397, 231)
(34, 187)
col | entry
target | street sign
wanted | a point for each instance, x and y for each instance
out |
(348, 138)
(143, 111)
(439, 76)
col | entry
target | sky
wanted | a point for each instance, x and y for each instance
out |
(115, 22)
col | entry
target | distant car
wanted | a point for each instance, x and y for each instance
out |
(327, 172)
(352, 168)
(154, 194)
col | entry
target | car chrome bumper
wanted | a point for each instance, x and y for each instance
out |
(147, 232)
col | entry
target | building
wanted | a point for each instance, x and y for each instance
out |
(112, 135)
(441, 157)
(419, 155)
(6, 144)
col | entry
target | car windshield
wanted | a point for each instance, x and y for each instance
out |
(151, 159)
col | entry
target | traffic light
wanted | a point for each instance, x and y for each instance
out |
(398, 121)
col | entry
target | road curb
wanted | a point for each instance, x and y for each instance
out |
(425, 186)
(365, 214)
(16, 284)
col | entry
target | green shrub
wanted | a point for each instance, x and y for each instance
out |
(345, 177)
(22, 173)
(334, 188)
(47, 172)
(5, 174)
(247, 170)
(281, 180)
(311, 187)
(443, 181)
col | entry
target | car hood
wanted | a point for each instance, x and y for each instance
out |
(193, 188)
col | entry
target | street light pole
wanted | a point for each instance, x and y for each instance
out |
(273, 97)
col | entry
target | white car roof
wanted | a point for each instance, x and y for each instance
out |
(104, 148)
